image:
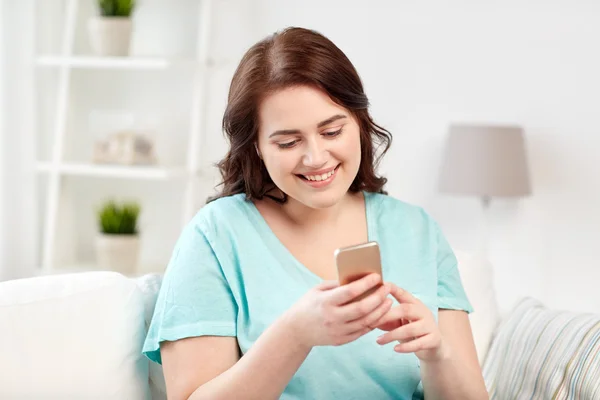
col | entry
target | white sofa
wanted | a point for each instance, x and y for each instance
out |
(79, 336)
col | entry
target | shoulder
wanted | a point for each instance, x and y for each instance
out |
(221, 214)
(399, 213)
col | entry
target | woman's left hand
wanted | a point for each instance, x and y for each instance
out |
(413, 325)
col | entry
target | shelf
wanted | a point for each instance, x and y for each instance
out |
(92, 62)
(111, 171)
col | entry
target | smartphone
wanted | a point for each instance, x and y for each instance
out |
(355, 262)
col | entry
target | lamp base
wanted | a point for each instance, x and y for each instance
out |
(484, 228)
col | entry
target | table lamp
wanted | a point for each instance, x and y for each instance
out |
(487, 161)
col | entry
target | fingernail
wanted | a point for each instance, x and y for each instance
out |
(380, 338)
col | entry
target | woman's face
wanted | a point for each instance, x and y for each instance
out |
(309, 144)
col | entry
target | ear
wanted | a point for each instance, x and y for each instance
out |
(257, 151)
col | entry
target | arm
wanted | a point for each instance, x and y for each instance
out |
(457, 374)
(209, 367)
(449, 366)
(194, 326)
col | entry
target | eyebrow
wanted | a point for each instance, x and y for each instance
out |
(319, 125)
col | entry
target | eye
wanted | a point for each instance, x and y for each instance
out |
(287, 145)
(333, 133)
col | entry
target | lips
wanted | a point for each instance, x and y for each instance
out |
(319, 179)
(320, 175)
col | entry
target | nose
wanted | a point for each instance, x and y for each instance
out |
(315, 154)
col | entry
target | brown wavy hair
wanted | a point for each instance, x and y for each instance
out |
(293, 57)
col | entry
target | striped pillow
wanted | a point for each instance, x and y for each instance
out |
(539, 353)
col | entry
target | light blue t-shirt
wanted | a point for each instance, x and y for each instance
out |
(229, 275)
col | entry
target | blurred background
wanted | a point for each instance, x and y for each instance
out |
(95, 110)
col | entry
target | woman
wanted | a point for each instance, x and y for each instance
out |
(253, 274)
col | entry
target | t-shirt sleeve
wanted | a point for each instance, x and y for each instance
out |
(195, 298)
(451, 293)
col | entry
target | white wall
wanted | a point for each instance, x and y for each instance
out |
(426, 64)
(3, 266)
(17, 184)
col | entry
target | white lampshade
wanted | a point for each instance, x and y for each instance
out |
(486, 161)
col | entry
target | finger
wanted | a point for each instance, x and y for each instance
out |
(422, 343)
(370, 320)
(405, 333)
(348, 292)
(401, 313)
(327, 285)
(351, 337)
(389, 326)
(401, 295)
(359, 309)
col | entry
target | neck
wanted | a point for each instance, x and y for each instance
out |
(304, 216)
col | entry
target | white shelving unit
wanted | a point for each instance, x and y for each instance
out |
(139, 63)
(57, 168)
(122, 172)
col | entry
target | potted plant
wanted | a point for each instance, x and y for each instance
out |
(117, 244)
(110, 32)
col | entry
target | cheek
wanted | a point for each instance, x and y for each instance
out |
(350, 148)
(280, 163)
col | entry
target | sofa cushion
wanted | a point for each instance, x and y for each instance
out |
(478, 280)
(72, 336)
(540, 353)
(149, 286)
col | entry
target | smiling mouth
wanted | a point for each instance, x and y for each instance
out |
(320, 177)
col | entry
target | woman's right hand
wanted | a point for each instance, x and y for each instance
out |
(326, 314)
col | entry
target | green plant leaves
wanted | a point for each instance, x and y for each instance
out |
(119, 219)
(116, 8)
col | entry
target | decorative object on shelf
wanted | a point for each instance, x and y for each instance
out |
(125, 148)
(110, 32)
(117, 244)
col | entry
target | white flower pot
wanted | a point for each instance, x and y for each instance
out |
(117, 253)
(110, 36)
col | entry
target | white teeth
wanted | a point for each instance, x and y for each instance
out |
(320, 177)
